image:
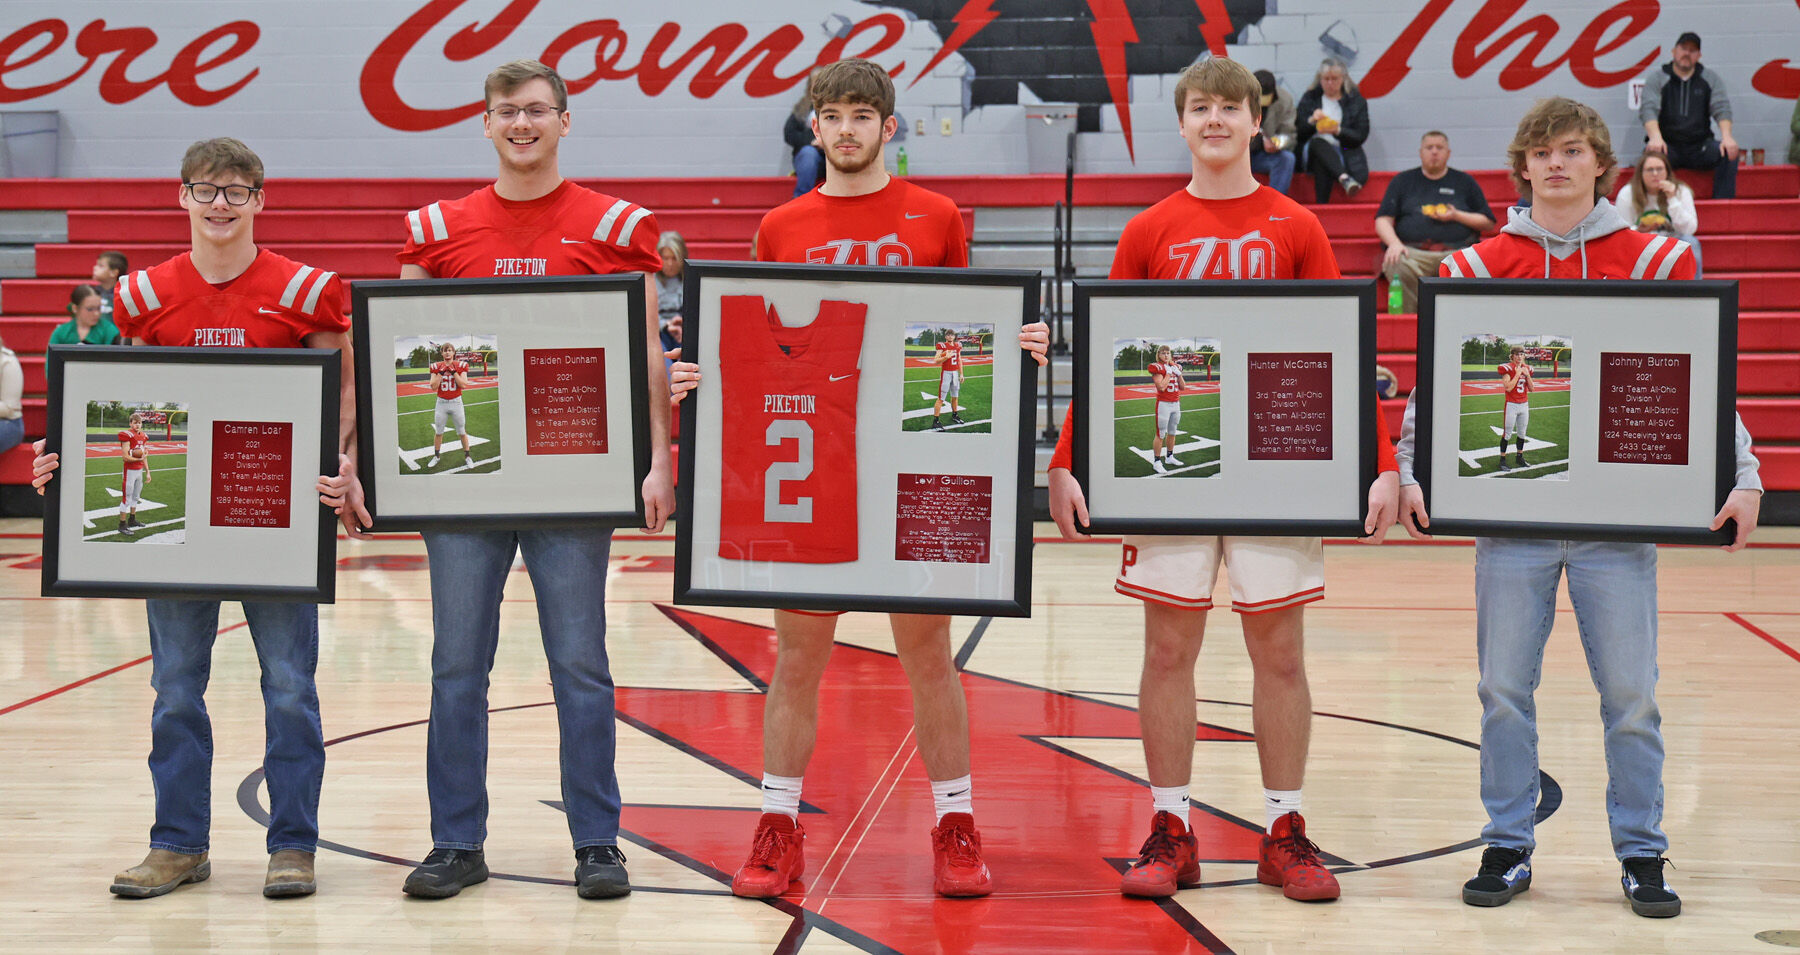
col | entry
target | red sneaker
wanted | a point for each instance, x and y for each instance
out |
(1291, 861)
(775, 859)
(956, 858)
(1170, 859)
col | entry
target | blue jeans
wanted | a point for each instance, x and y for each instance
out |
(286, 636)
(1613, 590)
(12, 433)
(468, 576)
(809, 167)
(1279, 165)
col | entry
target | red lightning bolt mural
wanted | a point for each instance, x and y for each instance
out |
(1113, 30)
(969, 20)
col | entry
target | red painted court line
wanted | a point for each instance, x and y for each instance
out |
(89, 679)
(1766, 635)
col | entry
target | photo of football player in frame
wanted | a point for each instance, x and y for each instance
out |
(802, 485)
(1515, 402)
(948, 382)
(565, 369)
(1651, 396)
(232, 440)
(1273, 388)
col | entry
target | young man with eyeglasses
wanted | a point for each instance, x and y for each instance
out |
(531, 221)
(227, 292)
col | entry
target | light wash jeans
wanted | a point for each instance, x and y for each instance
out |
(1613, 589)
(468, 576)
(286, 636)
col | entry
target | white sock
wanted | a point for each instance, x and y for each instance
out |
(782, 794)
(1171, 799)
(953, 795)
(1278, 803)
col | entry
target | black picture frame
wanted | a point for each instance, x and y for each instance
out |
(1135, 516)
(196, 366)
(625, 507)
(1015, 600)
(1438, 296)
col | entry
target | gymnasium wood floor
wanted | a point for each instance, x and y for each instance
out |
(1391, 791)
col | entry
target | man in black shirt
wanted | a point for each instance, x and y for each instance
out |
(1681, 101)
(1428, 213)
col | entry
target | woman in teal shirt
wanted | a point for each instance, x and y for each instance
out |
(86, 326)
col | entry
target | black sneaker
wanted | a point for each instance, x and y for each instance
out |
(600, 873)
(125, 529)
(1504, 874)
(446, 872)
(934, 424)
(1650, 897)
(956, 418)
(1522, 462)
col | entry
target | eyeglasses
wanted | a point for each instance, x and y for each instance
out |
(207, 192)
(537, 113)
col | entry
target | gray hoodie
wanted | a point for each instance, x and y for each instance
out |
(1603, 221)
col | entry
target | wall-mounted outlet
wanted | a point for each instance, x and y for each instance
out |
(919, 127)
(944, 126)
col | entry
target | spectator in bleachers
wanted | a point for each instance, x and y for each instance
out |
(86, 324)
(1655, 201)
(1681, 101)
(1273, 153)
(670, 287)
(12, 389)
(1332, 120)
(107, 269)
(1427, 213)
(809, 155)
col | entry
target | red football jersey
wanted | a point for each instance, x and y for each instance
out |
(1171, 389)
(447, 371)
(950, 354)
(1624, 254)
(1520, 393)
(789, 397)
(276, 303)
(570, 231)
(1264, 235)
(139, 442)
(900, 225)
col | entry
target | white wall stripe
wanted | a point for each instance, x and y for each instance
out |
(293, 287)
(312, 298)
(606, 221)
(637, 216)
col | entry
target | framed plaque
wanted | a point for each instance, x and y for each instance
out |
(1618, 423)
(861, 439)
(1225, 407)
(190, 473)
(502, 402)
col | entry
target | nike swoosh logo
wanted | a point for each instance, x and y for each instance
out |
(841, 377)
(1279, 218)
(268, 311)
(574, 242)
(915, 215)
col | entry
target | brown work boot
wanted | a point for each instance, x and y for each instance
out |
(290, 874)
(160, 873)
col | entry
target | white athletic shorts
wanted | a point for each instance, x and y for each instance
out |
(1518, 414)
(134, 490)
(949, 384)
(1266, 573)
(452, 410)
(1168, 416)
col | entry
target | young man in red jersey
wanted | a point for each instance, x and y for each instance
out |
(950, 379)
(228, 292)
(862, 216)
(1562, 163)
(449, 378)
(1515, 383)
(134, 445)
(531, 221)
(1165, 378)
(1223, 226)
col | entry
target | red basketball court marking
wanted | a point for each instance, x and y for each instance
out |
(89, 679)
(1747, 625)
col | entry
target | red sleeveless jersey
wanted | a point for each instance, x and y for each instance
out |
(789, 397)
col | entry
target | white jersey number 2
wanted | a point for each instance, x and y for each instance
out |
(799, 469)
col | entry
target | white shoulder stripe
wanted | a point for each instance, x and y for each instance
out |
(437, 223)
(1668, 262)
(1477, 268)
(1642, 267)
(293, 287)
(418, 230)
(637, 216)
(606, 221)
(148, 292)
(125, 298)
(1456, 271)
(312, 297)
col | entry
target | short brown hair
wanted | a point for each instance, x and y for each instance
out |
(116, 260)
(223, 155)
(854, 81)
(1438, 133)
(508, 77)
(1553, 118)
(1221, 77)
